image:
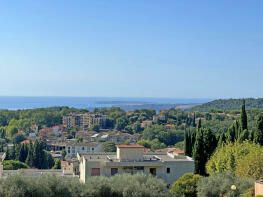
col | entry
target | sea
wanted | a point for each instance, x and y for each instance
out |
(20, 102)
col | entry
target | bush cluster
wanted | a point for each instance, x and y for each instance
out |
(123, 185)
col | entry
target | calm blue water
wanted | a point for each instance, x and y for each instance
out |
(14, 103)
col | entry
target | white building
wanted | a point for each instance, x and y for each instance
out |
(72, 148)
(132, 159)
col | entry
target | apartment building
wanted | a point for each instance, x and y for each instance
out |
(132, 159)
(84, 120)
(71, 120)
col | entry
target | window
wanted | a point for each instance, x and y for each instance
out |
(83, 148)
(114, 171)
(153, 171)
(139, 168)
(92, 149)
(168, 170)
(95, 171)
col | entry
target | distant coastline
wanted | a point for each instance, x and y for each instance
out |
(23, 102)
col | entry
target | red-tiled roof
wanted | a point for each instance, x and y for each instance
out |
(129, 146)
(27, 141)
(179, 151)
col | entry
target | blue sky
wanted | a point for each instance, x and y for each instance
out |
(138, 48)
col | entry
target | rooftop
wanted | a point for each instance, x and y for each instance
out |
(129, 146)
(147, 157)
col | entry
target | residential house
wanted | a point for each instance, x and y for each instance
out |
(169, 126)
(175, 151)
(27, 141)
(146, 123)
(34, 128)
(70, 166)
(155, 118)
(132, 159)
(72, 148)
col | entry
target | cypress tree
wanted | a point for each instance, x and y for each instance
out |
(42, 156)
(192, 143)
(237, 130)
(244, 135)
(22, 153)
(194, 124)
(13, 152)
(199, 125)
(50, 160)
(30, 159)
(243, 116)
(19, 151)
(186, 143)
(258, 135)
(210, 143)
(198, 152)
(222, 140)
(251, 135)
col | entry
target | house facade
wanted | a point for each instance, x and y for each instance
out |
(132, 159)
(72, 148)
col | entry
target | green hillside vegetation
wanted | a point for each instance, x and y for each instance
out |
(228, 105)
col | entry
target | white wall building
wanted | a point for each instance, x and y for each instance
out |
(72, 148)
(132, 159)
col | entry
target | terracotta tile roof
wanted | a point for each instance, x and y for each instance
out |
(27, 141)
(179, 151)
(129, 146)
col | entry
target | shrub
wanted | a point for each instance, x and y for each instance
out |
(227, 157)
(251, 165)
(122, 185)
(221, 184)
(13, 165)
(186, 185)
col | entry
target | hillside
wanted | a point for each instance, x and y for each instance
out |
(229, 104)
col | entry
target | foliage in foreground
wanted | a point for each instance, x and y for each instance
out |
(186, 185)
(220, 184)
(229, 156)
(122, 185)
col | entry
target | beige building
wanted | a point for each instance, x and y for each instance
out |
(259, 188)
(132, 159)
(85, 120)
(146, 123)
(70, 166)
(2, 158)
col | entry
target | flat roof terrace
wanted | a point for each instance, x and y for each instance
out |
(147, 157)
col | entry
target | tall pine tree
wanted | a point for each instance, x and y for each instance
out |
(198, 153)
(243, 116)
(199, 125)
(30, 159)
(210, 143)
(186, 143)
(258, 134)
(222, 140)
(194, 124)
